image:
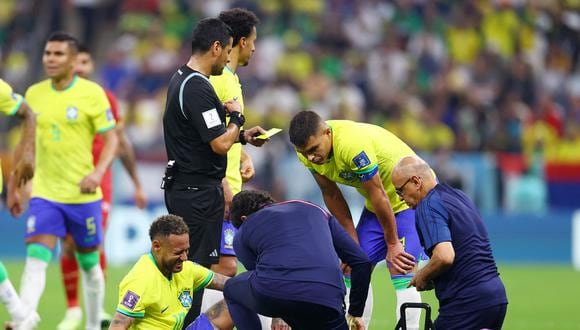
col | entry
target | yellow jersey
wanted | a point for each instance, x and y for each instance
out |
(67, 122)
(359, 151)
(10, 102)
(227, 87)
(156, 302)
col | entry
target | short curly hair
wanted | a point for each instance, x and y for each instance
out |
(241, 21)
(166, 225)
(247, 202)
(304, 125)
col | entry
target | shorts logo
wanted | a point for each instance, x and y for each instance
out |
(72, 113)
(347, 176)
(361, 160)
(30, 224)
(211, 118)
(185, 298)
(228, 238)
(130, 300)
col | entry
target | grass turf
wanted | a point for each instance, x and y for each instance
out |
(540, 296)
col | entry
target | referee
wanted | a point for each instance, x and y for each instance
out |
(197, 141)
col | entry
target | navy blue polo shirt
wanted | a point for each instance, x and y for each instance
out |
(472, 283)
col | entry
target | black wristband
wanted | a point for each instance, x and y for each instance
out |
(242, 138)
(237, 118)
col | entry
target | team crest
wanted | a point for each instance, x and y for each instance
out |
(31, 224)
(361, 160)
(347, 176)
(72, 113)
(185, 298)
(228, 238)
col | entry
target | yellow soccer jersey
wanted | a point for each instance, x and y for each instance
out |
(227, 86)
(67, 122)
(155, 301)
(359, 151)
(9, 104)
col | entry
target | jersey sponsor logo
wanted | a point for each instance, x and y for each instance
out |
(361, 160)
(130, 299)
(72, 113)
(211, 118)
(110, 116)
(185, 298)
(347, 176)
(228, 238)
(214, 253)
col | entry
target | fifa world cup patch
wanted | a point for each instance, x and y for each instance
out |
(110, 116)
(211, 118)
(130, 299)
(361, 160)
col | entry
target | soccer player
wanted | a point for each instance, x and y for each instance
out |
(13, 104)
(197, 141)
(85, 66)
(461, 269)
(239, 167)
(159, 289)
(66, 197)
(362, 156)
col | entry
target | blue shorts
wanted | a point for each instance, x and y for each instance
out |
(227, 243)
(372, 239)
(82, 221)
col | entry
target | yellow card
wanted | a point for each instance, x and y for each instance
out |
(269, 133)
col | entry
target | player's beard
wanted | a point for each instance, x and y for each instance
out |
(217, 69)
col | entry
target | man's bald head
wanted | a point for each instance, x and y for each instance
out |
(413, 179)
(410, 166)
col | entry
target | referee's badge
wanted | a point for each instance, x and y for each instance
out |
(211, 118)
(72, 113)
(185, 298)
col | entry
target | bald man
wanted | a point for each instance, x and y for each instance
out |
(462, 269)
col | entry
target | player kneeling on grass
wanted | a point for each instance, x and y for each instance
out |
(158, 291)
(291, 251)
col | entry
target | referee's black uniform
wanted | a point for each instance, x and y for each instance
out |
(193, 117)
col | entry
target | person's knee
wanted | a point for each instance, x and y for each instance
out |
(68, 247)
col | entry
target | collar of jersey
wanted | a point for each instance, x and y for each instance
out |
(230, 70)
(331, 153)
(155, 263)
(75, 77)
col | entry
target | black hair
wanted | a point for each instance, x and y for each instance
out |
(83, 48)
(72, 42)
(241, 21)
(247, 202)
(304, 125)
(167, 225)
(208, 31)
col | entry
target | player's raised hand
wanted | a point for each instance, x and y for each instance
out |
(250, 136)
(90, 183)
(399, 260)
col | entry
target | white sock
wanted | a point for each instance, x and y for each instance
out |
(368, 311)
(93, 295)
(12, 301)
(33, 282)
(413, 315)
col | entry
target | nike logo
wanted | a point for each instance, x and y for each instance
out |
(164, 309)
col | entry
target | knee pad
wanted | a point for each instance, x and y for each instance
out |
(88, 260)
(39, 251)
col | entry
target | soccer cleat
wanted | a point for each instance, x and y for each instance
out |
(73, 319)
(28, 323)
(105, 320)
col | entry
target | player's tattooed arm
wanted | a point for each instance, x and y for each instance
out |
(121, 321)
(218, 282)
(219, 315)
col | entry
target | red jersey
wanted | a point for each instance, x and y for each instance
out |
(98, 144)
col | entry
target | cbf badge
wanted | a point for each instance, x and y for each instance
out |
(72, 113)
(228, 238)
(185, 298)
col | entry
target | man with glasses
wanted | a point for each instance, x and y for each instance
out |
(362, 156)
(462, 269)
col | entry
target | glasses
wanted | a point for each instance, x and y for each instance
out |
(399, 191)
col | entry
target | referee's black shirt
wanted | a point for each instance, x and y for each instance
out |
(193, 117)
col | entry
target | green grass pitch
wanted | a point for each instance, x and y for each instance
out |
(540, 296)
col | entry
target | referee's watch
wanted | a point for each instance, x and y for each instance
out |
(237, 118)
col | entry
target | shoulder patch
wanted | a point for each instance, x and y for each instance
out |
(361, 160)
(110, 116)
(211, 118)
(130, 299)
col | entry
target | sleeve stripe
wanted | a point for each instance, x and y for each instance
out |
(108, 128)
(205, 282)
(182, 87)
(14, 110)
(130, 314)
(374, 167)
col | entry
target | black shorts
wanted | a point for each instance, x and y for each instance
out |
(202, 209)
